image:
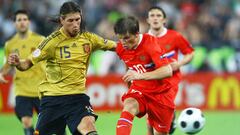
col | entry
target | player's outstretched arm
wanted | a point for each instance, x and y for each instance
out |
(186, 59)
(21, 65)
(160, 73)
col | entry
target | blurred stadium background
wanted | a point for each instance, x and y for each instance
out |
(211, 81)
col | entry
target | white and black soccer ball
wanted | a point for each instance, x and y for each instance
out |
(191, 120)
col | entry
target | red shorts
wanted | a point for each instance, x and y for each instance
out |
(158, 106)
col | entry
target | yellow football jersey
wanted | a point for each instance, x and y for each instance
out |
(26, 83)
(67, 61)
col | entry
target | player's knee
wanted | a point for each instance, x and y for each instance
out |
(87, 124)
(26, 121)
(131, 105)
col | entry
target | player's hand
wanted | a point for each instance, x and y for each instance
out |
(132, 75)
(13, 59)
(175, 66)
(2, 79)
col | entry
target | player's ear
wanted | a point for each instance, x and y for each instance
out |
(147, 21)
(61, 19)
(165, 21)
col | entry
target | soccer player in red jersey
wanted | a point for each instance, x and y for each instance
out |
(150, 74)
(173, 42)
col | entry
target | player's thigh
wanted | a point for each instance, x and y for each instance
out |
(160, 117)
(23, 107)
(78, 111)
(36, 104)
(135, 103)
(50, 122)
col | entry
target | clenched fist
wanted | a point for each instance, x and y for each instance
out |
(13, 59)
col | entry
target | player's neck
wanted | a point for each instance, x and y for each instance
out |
(68, 34)
(23, 35)
(157, 32)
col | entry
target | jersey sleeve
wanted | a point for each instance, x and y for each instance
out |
(184, 46)
(44, 51)
(156, 53)
(101, 43)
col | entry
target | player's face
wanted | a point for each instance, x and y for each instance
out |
(71, 23)
(22, 23)
(156, 19)
(129, 41)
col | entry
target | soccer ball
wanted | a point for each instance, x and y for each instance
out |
(191, 120)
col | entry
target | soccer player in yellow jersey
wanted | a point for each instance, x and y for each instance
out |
(67, 53)
(25, 83)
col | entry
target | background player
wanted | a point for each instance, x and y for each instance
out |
(149, 92)
(67, 53)
(173, 42)
(25, 83)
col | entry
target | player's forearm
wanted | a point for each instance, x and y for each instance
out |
(5, 69)
(186, 59)
(24, 65)
(160, 73)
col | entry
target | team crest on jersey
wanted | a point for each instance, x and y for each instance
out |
(36, 53)
(142, 58)
(86, 48)
(167, 47)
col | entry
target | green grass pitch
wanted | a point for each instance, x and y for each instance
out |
(217, 123)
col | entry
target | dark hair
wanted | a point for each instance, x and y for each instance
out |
(126, 25)
(20, 11)
(158, 8)
(70, 7)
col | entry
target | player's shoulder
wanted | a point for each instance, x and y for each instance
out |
(149, 39)
(55, 34)
(36, 35)
(11, 38)
(89, 35)
(173, 32)
(11, 41)
(52, 39)
(119, 48)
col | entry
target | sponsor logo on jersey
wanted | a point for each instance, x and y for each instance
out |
(74, 45)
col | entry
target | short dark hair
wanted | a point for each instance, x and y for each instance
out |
(20, 11)
(158, 8)
(126, 25)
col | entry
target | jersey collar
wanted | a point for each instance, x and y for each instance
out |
(164, 32)
(140, 40)
(61, 30)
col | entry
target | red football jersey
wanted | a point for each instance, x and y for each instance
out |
(173, 43)
(147, 56)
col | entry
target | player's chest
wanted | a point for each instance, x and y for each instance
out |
(168, 44)
(73, 49)
(23, 48)
(132, 58)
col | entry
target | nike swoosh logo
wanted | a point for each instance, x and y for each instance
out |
(161, 126)
(121, 126)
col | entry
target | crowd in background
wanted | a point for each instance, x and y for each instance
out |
(211, 26)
